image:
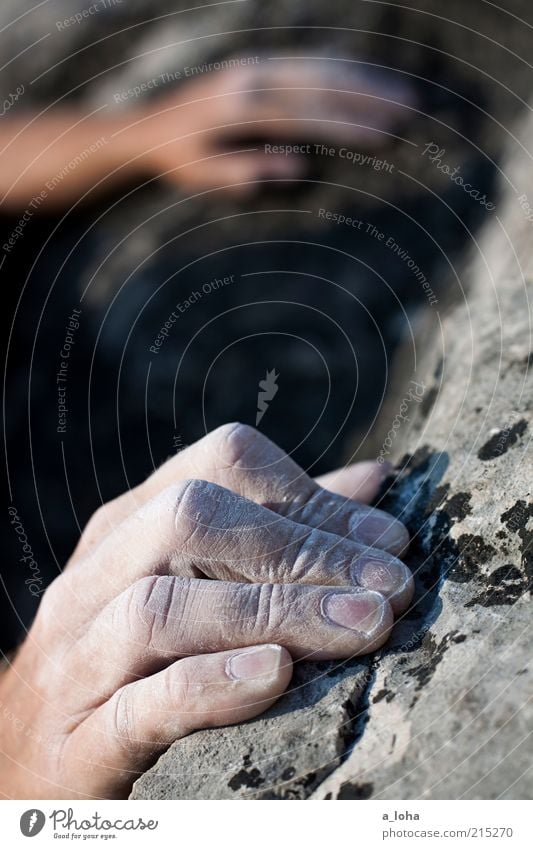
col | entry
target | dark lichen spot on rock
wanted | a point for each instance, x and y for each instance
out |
(288, 773)
(356, 791)
(460, 638)
(501, 442)
(504, 586)
(246, 778)
(516, 520)
(411, 461)
(473, 552)
(379, 696)
(439, 497)
(388, 695)
(527, 559)
(501, 535)
(434, 653)
(458, 506)
(517, 517)
(426, 405)
(299, 789)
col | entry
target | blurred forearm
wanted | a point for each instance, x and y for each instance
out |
(59, 158)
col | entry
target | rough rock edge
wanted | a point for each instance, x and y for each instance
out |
(475, 511)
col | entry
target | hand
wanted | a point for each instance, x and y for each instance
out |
(132, 648)
(192, 136)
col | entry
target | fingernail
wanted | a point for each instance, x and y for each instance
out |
(380, 531)
(360, 611)
(384, 576)
(260, 662)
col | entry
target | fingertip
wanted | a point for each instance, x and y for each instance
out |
(264, 665)
(387, 575)
(358, 482)
(365, 616)
(377, 529)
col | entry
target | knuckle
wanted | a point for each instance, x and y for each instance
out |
(311, 504)
(122, 719)
(99, 525)
(180, 687)
(269, 609)
(196, 507)
(142, 612)
(230, 443)
(50, 606)
(306, 553)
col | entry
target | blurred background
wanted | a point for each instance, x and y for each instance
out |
(324, 304)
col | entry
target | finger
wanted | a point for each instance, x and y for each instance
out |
(158, 620)
(232, 170)
(197, 528)
(359, 481)
(123, 737)
(313, 127)
(241, 459)
(303, 85)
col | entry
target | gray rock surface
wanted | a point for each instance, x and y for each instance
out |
(450, 711)
(285, 754)
(443, 711)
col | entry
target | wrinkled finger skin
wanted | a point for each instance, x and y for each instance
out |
(239, 458)
(184, 606)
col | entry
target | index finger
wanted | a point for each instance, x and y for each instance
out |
(243, 460)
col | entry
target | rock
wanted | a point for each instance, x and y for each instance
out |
(450, 709)
(283, 755)
(443, 711)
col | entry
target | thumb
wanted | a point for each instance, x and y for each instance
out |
(124, 736)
